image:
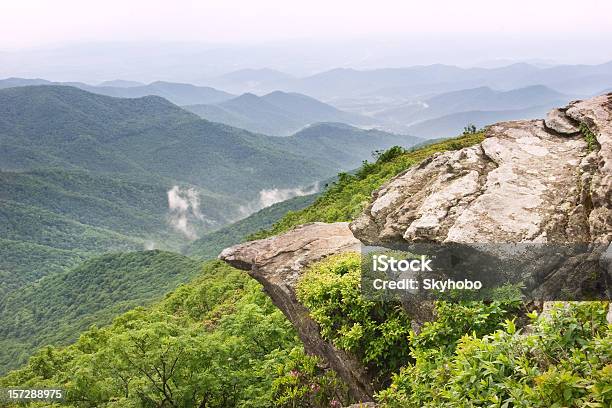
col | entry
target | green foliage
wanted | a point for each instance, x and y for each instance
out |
(589, 137)
(349, 195)
(376, 332)
(455, 319)
(472, 354)
(563, 360)
(303, 383)
(343, 145)
(53, 219)
(216, 342)
(56, 308)
(149, 139)
(24, 262)
(470, 129)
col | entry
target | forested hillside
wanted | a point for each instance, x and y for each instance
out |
(217, 341)
(53, 219)
(144, 139)
(177, 93)
(150, 139)
(345, 145)
(209, 245)
(277, 113)
(56, 308)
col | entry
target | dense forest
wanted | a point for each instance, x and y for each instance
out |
(217, 341)
(57, 307)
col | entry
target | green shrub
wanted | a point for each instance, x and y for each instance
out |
(564, 361)
(454, 320)
(302, 383)
(376, 332)
(589, 137)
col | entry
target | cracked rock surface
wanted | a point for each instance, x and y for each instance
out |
(528, 181)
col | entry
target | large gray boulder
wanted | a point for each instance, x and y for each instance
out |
(522, 183)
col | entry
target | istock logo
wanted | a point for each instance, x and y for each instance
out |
(384, 263)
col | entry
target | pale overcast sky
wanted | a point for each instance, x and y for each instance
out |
(27, 23)
(188, 40)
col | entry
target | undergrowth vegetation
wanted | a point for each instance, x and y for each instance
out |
(589, 137)
(216, 342)
(376, 332)
(560, 360)
(473, 354)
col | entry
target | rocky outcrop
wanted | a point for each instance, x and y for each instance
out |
(520, 184)
(596, 115)
(539, 181)
(528, 181)
(558, 121)
(536, 181)
(277, 262)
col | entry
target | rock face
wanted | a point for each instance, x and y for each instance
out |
(524, 183)
(277, 262)
(596, 114)
(540, 181)
(537, 181)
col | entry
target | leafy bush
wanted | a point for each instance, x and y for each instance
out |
(472, 354)
(589, 137)
(564, 360)
(303, 383)
(376, 332)
(454, 320)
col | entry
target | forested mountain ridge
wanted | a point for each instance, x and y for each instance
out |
(134, 137)
(177, 93)
(344, 145)
(277, 113)
(482, 98)
(53, 219)
(56, 308)
(149, 138)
